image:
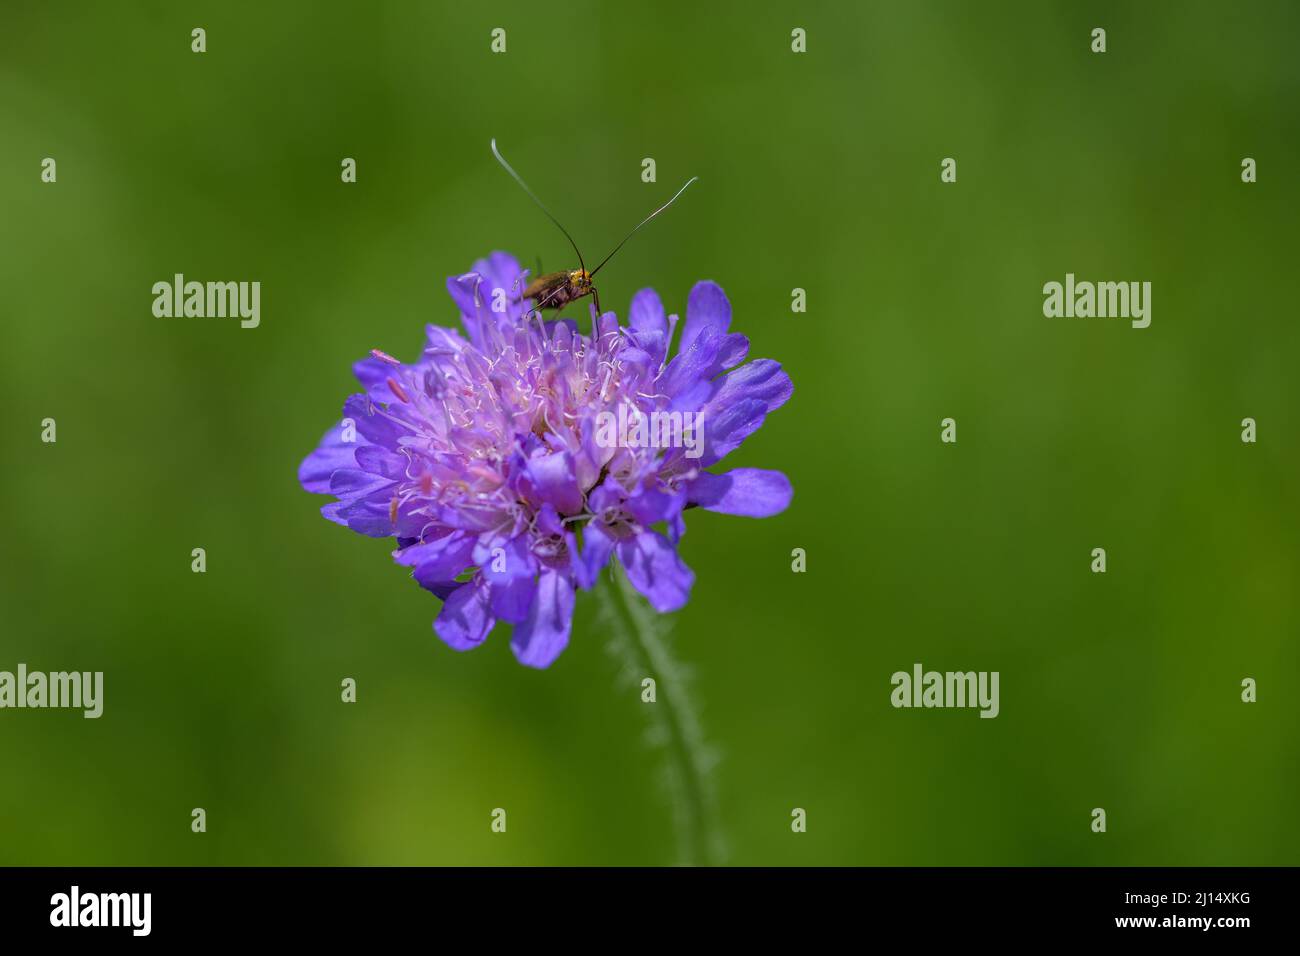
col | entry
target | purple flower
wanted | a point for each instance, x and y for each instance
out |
(512, 465)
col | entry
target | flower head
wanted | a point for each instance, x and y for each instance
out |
(513, 464)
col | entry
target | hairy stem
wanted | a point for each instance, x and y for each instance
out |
(638, 639)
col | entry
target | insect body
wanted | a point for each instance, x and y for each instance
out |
(557, 289)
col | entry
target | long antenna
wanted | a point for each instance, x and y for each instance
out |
(501, 159)
(642, 223)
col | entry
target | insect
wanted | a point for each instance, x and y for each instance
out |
(557, 289)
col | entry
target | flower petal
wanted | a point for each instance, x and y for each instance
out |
(689, 378)
(656, 571)
(465, 621)
(751, 492)
(382, 462)
(651, 503)
(706, 308)
(438, 563)
(539, 639)
(331, 513)
(724, 432)
(549, 479)
(503, 272)
(373, 374)
(647, 312)
(649, 329)
(597, 546)
(372, 424)
(330, 455)
(353, 483)
(733, 350)
(508, 567)
(761, 379)
(369, 516)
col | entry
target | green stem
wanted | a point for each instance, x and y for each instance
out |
(638, 638)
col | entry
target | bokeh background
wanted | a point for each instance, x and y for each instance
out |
(818, 171)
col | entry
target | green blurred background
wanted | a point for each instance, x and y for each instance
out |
(818, 171)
